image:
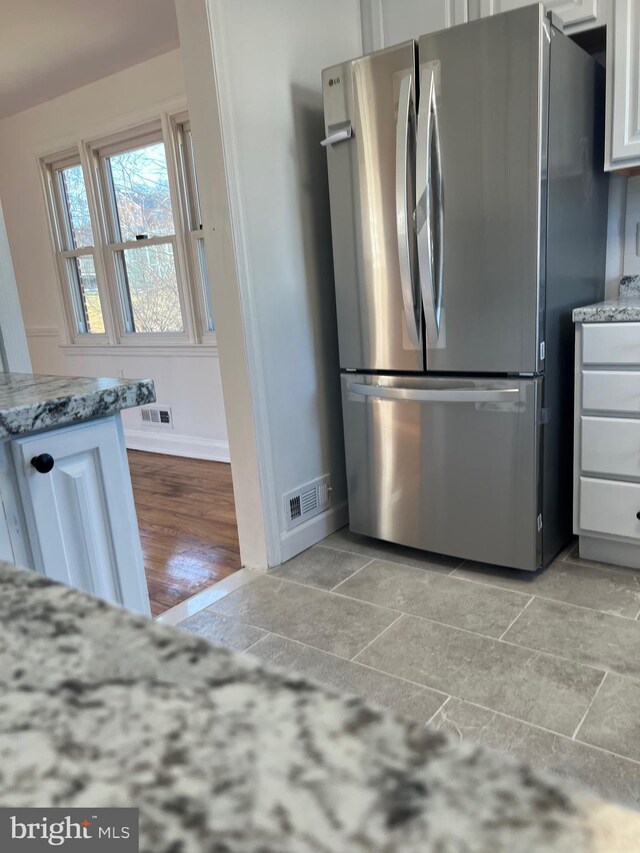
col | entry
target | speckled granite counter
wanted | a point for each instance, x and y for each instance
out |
(102, 708)
(30, 402)
(624, 309)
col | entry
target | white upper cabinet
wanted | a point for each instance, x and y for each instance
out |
(622, 150)
(388, 22)
(576, 15)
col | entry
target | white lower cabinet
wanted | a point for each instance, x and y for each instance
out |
(611, 343)
(611, 447)
(607, 442)
(611, 391)
(79, 516)
(610, 507)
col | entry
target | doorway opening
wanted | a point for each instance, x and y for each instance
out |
(187, 521)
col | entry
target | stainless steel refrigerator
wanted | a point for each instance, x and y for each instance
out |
(469, 209)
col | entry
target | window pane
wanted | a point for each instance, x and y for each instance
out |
(74, 197)
(85, 296)
(141, 185)
(205, 284)
(150, 275)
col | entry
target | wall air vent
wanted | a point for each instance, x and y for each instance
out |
(156, 416)
(308, 500)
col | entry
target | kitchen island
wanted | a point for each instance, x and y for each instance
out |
(65, 486)
(100, 707)
(30, 402)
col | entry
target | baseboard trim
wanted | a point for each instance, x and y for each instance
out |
(300, 538)
(177, 445)
(610, 551)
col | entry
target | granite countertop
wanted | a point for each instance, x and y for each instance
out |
(624, 309)
(99, 707)
(30, 402)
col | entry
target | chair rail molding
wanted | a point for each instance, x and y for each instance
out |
(42, 331)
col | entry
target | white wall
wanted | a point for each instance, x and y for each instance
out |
(616, 226)
(631, 259)
(272, 120)
(14, 350)
(190, 384)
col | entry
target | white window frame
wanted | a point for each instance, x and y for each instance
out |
(90, 154)
(64, 252)
(192, 218)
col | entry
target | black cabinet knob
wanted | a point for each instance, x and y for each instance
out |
(638, 516)
(43, 463)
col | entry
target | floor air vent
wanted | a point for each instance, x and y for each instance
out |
(294, 508)
(307, 501)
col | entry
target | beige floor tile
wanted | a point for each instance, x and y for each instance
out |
(321, 619)
(534, 687)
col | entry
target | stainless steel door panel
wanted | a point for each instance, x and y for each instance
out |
(446, 465)
(490, 79)
(374, 245)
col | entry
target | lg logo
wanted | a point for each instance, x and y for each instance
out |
(334, 81)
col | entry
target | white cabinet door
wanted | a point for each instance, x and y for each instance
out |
(80, 516)
(575, 14)
(388, 22)
(623, 86)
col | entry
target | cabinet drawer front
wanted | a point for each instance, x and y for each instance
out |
(611, 391)
(610, 507)
(611, 446)
(611, 343)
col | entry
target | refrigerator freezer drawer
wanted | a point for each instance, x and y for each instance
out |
(446, 465)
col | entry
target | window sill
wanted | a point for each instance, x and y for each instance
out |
(160, 350)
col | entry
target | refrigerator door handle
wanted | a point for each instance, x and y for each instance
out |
(405, 120)
(435, 395)
(429, 223)
(337, 133)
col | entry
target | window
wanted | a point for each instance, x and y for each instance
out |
(127, 229)
(194, 221)
(141, 235)
(75, 245)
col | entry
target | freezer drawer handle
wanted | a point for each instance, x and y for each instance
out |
(404, 137)
(443, 395)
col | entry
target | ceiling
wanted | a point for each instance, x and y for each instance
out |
(48, 47)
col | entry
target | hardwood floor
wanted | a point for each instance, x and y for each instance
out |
(187, 521)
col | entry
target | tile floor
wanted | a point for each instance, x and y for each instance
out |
(545, 666)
